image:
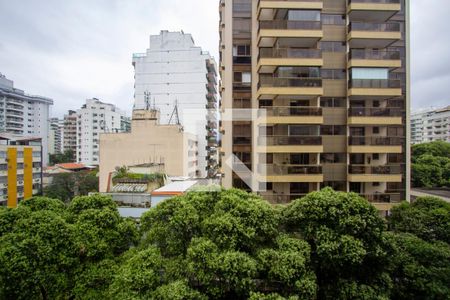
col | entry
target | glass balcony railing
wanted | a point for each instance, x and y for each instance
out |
(374, 54)
(269, 81)
(375, 83)
(288, 24)
(379, 27)
(282, 198)
(375, 112)
(289, 53)
(376, 141)
(242, 140)
(375, 170)
(287, 111)
(275, 169)
(382, 198)
(308, 140)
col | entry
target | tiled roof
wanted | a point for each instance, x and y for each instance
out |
(71, 166)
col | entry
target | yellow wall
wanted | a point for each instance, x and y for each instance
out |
(28, 173)
(12, 177)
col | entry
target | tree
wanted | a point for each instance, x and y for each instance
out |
(65, 186)
(347, 246)
(420, 269)
(59, 158)
(436, 148)
(427, 218)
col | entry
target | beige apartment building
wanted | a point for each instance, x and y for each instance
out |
(331, 78)
(148, 143)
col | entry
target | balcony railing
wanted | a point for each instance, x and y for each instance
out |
(289, 140)
(376, 141)
(282, 198)
(242, 140)
(269, 81)
(374, 112)
(287, 24)
(375, 170)
(375, 83)
(275, 169)
(382, 198)
(289, 53)
(375, 1)
(286, 111)
(379, 27)
(374, 54)
(242, 59)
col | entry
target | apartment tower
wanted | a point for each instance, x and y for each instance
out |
(179, 79)
(330, 80)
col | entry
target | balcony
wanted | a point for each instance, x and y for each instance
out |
(373, 35)
(211, 87)
(291, 115)
(372, 10)
(211, 97)
(294, 33)
(211, 78)
(281, 198)
(271, 58)
(266, 8)
(382, 198)
(375, 144)
(375, 116)
(386, 173)
(375, 87)
(306, 86)
(290, 144)
(290, 173)
(374, 58)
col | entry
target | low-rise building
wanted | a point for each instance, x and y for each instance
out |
(148, 143)
(20, 168)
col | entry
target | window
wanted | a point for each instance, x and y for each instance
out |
(333, 74)
(375, 156)
(376, 130)
(304, 15)
(370, 73)
(332, 102)
(333, 46)
(333, 20)
(241, 50)
(332, 158)
(333, 130)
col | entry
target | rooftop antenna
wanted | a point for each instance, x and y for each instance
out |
(175, 114)
(147, 95)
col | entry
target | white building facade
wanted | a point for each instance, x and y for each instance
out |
(180, 80)
(24, 115)
(56, 136)
(93, 118)
(430, 125)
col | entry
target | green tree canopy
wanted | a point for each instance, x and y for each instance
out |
(427, 218)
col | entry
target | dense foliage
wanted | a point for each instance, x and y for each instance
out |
(225, 245)
(124, 173)
(59, 158)
(431, 164)
(66, 186)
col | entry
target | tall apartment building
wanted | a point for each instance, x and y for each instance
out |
(93, 118)
(55, 138)
(23, 114)
(430, 125)
(180, 80)
(331, 77)
(20, 168)
(70, 132)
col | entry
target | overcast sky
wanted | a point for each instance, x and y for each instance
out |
(71, 50)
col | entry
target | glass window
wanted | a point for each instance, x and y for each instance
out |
(370, 73)
(333, 19)
(333, 46)
(304, 15)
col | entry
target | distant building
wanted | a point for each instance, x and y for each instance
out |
(96, 117)
(148, 143)
(55, 138)
(23, 114)
(20, 168)
(180, 80)
(430, 125)
(70, 132)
